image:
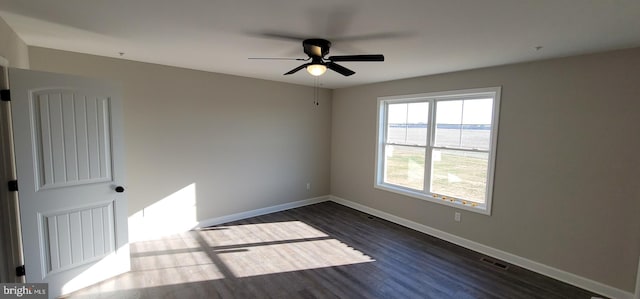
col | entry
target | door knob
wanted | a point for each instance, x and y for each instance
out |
(119, 189)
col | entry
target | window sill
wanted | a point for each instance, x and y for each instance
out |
(480, 209)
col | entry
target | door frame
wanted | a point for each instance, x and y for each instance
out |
(11, 250)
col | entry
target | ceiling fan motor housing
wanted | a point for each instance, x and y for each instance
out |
(316, 47)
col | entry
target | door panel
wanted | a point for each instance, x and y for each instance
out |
(73, 138)
(69, 156)
(77, 236)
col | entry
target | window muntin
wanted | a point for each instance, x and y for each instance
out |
(464, 123)
(459, 174)
(405, 166)
(449, 162)
(407, 123)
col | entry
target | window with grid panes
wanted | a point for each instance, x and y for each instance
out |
(439, 146)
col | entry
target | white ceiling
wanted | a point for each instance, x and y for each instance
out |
(417, 37)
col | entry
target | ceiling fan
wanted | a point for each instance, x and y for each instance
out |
(317, 49)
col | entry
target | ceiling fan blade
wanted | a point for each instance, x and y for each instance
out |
(373, 36)
(278, 35)
(372, 57)
(278, 58)
(340, 69)
(293, 71)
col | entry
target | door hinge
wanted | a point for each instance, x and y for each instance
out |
(5, 95)
(20, 271)
(13, 186)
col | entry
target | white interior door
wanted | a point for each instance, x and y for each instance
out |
(69, 155)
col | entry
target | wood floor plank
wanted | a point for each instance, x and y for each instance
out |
(324, 250)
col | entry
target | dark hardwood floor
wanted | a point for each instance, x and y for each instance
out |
(324, 250)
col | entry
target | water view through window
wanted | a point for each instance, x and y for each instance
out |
(440, 146)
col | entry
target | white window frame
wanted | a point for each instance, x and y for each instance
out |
(432, 98)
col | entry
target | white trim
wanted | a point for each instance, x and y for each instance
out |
(11, 240)
(546, 270)
(262, 211)
(495, 127)
(381, 120)
(480, 209)
(453, 94)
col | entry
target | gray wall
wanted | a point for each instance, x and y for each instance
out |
(245, 143)
(566, 181)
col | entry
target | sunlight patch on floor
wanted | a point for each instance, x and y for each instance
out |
(227, 252)
(278, 258)
(276, 247)
(237, 235)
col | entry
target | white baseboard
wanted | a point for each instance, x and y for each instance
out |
(558, 274)
(262, 211)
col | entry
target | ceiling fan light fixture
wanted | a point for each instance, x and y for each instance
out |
(316, 69)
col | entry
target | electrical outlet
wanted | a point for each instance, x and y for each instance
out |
(456, 216)
(308, 186)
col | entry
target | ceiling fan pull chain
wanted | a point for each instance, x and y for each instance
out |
(315, 90)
